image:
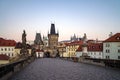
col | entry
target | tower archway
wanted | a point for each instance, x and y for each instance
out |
(47, 54)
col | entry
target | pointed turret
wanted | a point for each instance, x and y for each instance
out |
(52, 30)
(38, 39)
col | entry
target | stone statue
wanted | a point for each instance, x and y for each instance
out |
(24, 50)
(24, 37)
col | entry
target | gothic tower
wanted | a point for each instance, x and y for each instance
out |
(38, 41)
(53, 38)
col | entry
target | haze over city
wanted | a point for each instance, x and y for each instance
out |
(96, 18)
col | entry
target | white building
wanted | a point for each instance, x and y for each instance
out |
(95, 50)
(39, 53)
(111, 47)
(79, 51)
(7, 47)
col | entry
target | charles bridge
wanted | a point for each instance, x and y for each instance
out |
(56, 69)
(28, 67)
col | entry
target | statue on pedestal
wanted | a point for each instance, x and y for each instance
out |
(24, 50)
(84, 46)
(24, 39)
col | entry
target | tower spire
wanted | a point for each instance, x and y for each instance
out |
(52, 30)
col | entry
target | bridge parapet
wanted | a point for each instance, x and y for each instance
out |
(7, 70)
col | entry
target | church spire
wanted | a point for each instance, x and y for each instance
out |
(52, 30)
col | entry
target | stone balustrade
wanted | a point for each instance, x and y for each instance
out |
(9, 69)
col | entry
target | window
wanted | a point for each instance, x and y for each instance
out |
(12, 54)
(9, 49)
(107, 45)
(99, 53)
(107, 51)
(8, 54)
(1, 49)
(118, 57)
(107, 57)
(94, 53)
(5, 49)
(118, 50)
(12, 49)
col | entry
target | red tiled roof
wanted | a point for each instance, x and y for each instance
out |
(4, 57)
(4, 42)
(66, 44)
(95, 47)
(75, 43)
(114, 38)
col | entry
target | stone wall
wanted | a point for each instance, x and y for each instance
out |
(6, 71)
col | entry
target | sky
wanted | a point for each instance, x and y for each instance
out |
(96, 18)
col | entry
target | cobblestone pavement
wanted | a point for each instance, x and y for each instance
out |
(57, 69)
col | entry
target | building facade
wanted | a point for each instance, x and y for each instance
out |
(90, 48)
(72, 47)
(111, 47)
(95, 50)
(7, 47)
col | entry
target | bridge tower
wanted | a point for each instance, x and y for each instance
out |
(53, 40)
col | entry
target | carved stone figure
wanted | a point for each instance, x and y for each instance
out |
(24, 37)
(24, 50)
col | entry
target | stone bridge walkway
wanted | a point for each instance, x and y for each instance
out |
(57, 69)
